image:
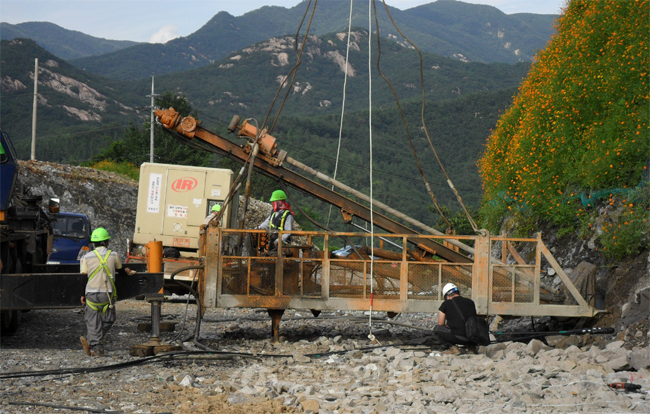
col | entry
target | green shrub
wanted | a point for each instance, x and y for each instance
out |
(123, 168)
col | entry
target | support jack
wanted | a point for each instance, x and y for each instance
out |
(154, 346)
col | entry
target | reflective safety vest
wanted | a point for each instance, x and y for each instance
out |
(277, 220)
(277, 223)
(102, 265)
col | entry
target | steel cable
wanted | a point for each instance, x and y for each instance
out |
(401, 113)
(424, 126)
(293, 70)
(345, 83)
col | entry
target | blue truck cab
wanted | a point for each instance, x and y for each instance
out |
(71, 237)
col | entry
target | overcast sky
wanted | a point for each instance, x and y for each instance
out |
(158, 21)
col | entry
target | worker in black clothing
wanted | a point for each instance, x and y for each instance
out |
(451, 325)
(280, 219)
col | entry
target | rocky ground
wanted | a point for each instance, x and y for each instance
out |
(325, 365)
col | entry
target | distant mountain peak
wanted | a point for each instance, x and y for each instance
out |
(64, 43)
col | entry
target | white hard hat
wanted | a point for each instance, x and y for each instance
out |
(449, 288)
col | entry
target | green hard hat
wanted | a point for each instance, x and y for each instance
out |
(216, 207)
(100, 234)
(278, 195)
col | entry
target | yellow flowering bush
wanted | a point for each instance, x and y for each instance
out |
(579, 122)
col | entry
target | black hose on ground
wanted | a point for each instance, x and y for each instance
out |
(199, 312)
(166, 356)
(67, 407)
(526, 336)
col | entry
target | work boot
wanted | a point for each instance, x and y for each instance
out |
(452, 351)
(97, 351)
(84, 343)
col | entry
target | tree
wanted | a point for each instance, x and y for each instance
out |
(458, 220)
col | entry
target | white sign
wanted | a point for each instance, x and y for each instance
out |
(153, 197)
(216, 192)
(197, 201)
(177, 211)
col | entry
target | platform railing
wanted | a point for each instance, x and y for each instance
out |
(301, 276)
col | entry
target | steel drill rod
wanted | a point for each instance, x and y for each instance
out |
(376, 203)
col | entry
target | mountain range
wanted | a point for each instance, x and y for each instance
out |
(245, 82)
(465, 32)
(64, 43)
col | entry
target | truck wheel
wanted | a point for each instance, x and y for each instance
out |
(9, 320)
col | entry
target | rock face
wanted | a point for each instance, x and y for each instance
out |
(109, 200)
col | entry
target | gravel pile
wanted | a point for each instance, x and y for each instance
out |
(325, 364)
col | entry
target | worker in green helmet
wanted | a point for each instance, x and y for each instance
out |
(280, 219)
(100, 295)
(216, 208)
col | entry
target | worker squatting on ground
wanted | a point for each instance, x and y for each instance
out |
(451, 324)
(100, 265)
(280, 219)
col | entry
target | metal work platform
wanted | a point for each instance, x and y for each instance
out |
(307, 277)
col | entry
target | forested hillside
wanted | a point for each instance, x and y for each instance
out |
(74, 107)
(458, 129)
(577, 135)
(85, 112)
(246, 81)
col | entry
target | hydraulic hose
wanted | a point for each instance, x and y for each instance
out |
(199, 312)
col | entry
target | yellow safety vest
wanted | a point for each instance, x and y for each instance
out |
(102, 265)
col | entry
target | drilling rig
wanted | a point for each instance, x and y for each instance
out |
(405, 274)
